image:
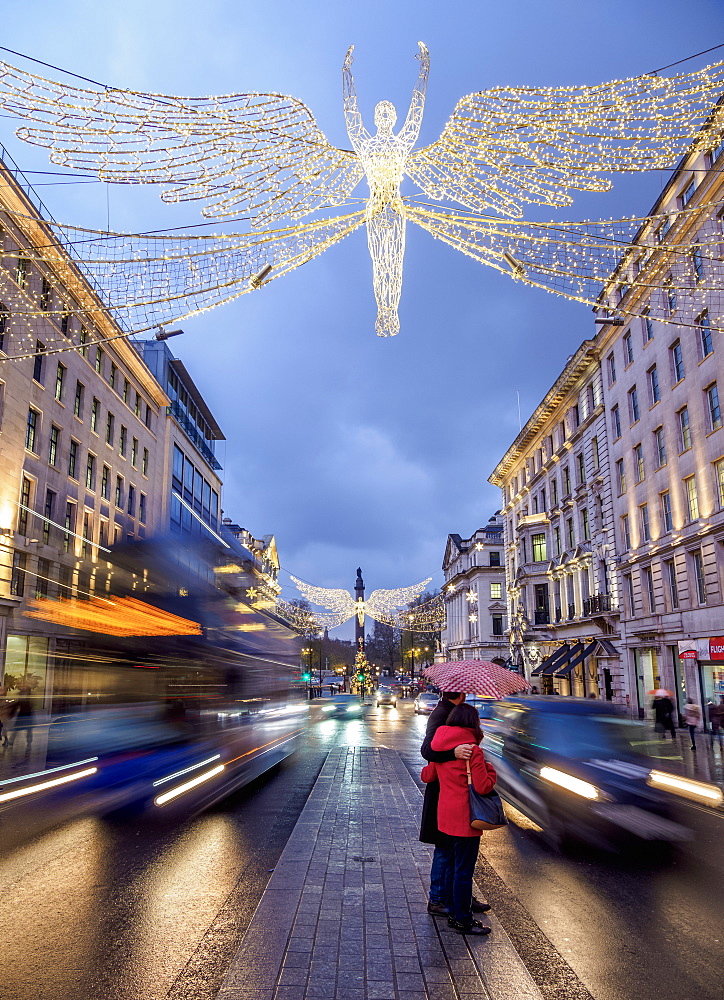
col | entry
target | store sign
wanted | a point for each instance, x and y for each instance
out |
(688, 654)
(716, 648)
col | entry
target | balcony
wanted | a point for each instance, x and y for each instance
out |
(571, 611)
(600, 604)
(191, 432)
(542, 617)
(533, 520)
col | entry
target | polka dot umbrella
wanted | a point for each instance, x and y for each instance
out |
(481, 677)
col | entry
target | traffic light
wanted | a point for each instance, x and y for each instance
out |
(360, 677)
(306, 677)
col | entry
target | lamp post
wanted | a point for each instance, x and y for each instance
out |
(307, 651)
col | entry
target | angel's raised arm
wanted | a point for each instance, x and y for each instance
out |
(356, 131)
(411, 129)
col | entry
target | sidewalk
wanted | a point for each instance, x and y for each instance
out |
(344, 915)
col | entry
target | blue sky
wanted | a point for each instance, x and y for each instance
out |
(352, 449)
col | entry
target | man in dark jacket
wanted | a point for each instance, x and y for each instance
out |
(429, 833)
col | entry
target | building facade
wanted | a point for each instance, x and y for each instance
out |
(475, 601)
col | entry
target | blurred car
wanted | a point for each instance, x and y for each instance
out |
(348, 706)
(425, 703)
(485, 706)
(575, 767)
(383, 696)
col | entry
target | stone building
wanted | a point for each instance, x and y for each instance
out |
(475, 595)
(82, 424)
(559, 554)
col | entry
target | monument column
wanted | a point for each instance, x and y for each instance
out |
(359, 625)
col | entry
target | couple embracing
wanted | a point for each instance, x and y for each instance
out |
(452, 747)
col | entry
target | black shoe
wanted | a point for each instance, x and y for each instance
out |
(479, 907)
(474, 927)
(438, 910)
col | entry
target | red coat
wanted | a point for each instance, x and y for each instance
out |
(453, 811)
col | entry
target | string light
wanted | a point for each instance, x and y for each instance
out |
(263, 154)
(379, 605)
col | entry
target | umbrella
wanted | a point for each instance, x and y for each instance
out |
(481, 677)
(662, 693)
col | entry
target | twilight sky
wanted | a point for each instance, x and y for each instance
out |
(353, 449)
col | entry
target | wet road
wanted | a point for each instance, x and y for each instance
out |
(126, 910)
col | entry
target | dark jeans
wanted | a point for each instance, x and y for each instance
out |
(453, 866)
(692, 730)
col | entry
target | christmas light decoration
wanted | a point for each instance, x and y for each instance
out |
(379, 605)
(264, 155)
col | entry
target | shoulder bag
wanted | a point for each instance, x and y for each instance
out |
(486, 811)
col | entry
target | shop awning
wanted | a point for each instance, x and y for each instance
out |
(606, 648)
(552, 662)
(578, 655)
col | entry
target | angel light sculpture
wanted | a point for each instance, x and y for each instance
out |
(263, 157)
(341, 605)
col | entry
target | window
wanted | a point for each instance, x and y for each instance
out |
(648, 325)
(628, 353)
(87, 533)
(496, 591)
(17, 580)
(719, 473)
(134, 453)
(494, 559)
(38, 362)
(42, 579)
(581, 468)
(554, 492)
(659, 447)
(557, 540)
(26, 489)
(21, 271)
(48, 513)
(654, 391)
(670, 568)
(649, 585)
(132, 501)
(677, 361)
(144, 466)
(666, 522)
(126, 390)
(59, 381)
(625, 533)
(684, 429)
(44, 294)
(82, 337)
(69, 525)
(633, 404)
(687, 194)
(620, 476)
(497, 624)
(616, 422)
(65, 330)
(566, 482)
(539, 547)
(644, 522)
(106, 483)
(119, 491)
(698, 565)
(99, 360)
(586, 525)
(712, 400)
(123, 441)
(571, 537)
(78, 402)
(696, 264)
(142, 508)
(4, 314)
(611, 363)
(670, 297)
(692, 498)
(110, 420)
(53, 445)
(112, 375)
(73, 459)
(90, 473)
(705, 340)
(137, 406)
(595, 453)
(628, 584)
(31, 429)
(95, 410)
(639, 463)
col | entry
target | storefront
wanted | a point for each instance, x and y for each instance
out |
(703, 668)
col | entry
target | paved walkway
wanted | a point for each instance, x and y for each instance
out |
(343, 916)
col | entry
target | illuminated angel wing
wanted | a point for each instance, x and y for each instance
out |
(507, 146)
(257, 153)
(579, 259)
(327, 597)
(383, 601)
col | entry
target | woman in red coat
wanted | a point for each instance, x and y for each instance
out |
(461, 841)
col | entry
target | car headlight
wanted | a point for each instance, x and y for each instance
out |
(328, 708)
(699, 791)
(353, 708)
(572, 784)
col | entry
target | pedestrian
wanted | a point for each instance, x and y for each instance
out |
(692, 718)
(663, 708)
(5, 716)
(716, 720)
(460, 841)
(22, 710)
(438, 903)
